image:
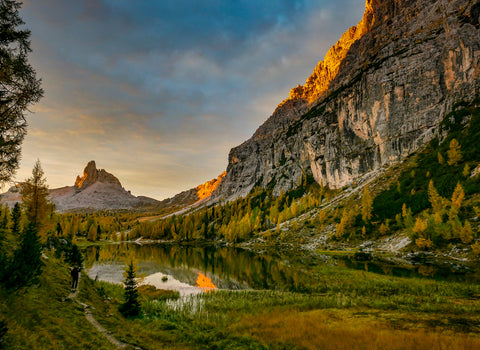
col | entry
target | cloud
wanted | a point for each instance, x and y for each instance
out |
(159, 91)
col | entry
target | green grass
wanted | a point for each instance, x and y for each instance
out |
(335, 295)
(332, 299)
(39, 317)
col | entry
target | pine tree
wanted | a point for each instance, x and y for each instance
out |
(16, 216)
(74, 256)
(19, 87)
(26, 264)
(5, 213)
(131, 306)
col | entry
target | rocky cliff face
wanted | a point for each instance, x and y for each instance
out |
(379, 95)
(91, 175)
(195, 196)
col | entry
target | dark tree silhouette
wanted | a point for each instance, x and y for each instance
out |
(26, 264)
(19, 87)
(73, 256)
(131, 306)
(16, 216)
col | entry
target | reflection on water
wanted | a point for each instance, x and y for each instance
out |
(194, 269)
(164, 281)
(226, 268)
(205, 283)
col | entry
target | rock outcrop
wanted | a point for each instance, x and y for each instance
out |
(95, 190)
(195, 196)
(91, 175)
(379, 95)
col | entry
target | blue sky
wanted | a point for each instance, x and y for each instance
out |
(157, 92)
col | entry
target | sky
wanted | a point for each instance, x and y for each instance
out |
(157, 92)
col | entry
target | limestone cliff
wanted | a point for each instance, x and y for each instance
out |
(195, 196)
(91, 175)
(379, 95)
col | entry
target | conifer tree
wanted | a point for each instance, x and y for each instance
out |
(457, 197)
(441, 160)
(19, 87)
(454, 154)
(26, 264)
(438, 203)
(131, 306)
(467, 233)
(367, 203)
(74, 256)
(16, 217)
(35, 197)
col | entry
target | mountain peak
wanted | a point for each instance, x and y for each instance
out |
(92, 175)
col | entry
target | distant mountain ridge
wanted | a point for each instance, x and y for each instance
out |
(98, 189)
(95, 190)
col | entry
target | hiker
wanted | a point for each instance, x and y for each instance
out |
(75, 272)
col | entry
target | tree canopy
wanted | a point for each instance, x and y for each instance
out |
(19, 86)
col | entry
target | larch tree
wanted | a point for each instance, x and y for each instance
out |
(454, 154)
(19, 86)
(367, 204)
(35, 197)
(457, 197)
(438, 203)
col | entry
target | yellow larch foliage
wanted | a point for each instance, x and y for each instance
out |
(467, 233)
(441, 160)
(424, 243)
(454, 154)
(438, 203)
(458, 197)
(367, 204)
(420, 226)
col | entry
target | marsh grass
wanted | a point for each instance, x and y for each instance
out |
(338, 308)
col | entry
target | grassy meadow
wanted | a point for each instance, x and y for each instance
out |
(337, 308)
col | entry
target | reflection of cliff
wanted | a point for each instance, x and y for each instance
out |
(205, 283)
(226, 267)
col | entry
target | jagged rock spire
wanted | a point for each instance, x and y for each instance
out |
(91, 175)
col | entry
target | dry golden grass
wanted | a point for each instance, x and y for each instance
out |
(340, 329)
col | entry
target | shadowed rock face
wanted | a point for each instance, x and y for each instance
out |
(378, 96)
(91, 175)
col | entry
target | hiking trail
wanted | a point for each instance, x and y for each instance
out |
(89, 316)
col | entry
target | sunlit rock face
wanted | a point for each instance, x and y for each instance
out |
(205, 190)
(378, 95)
(91, 175)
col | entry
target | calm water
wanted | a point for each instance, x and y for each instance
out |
(185, 268)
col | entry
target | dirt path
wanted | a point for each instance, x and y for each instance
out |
(88, 315)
